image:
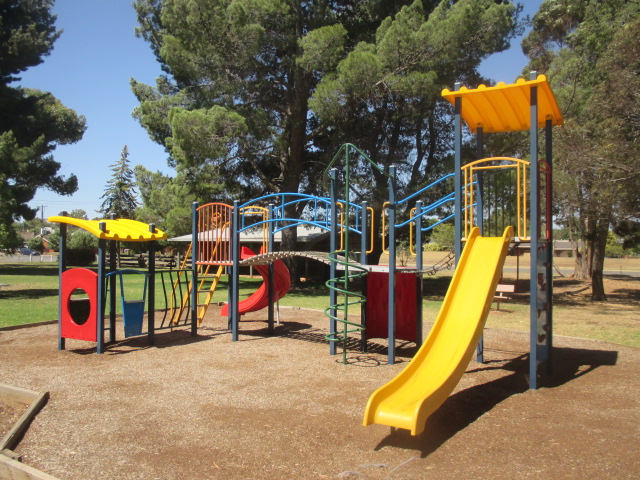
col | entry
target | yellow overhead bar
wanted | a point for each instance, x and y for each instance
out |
(506, 108)
(122, 229)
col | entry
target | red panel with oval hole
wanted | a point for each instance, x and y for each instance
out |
(79, 304)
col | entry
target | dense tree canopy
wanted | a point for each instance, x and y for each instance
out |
(166, 201)
(32, 123)
(591, 51)
(259, 94)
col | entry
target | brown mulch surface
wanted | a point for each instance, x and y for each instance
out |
(10, 413)
(281, 408)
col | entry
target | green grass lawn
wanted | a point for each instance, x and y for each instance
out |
(37, 284)
(32, 296)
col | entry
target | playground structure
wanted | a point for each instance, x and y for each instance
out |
(489, 195)
(421, 387)
(83, 318)
(513, 197)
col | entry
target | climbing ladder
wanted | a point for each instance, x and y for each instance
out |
(204, 273)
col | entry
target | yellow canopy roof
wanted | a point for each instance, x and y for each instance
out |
(506, 108)
(121, 229)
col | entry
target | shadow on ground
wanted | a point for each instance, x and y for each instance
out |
(465, 407)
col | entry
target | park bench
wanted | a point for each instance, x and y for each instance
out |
(501, 290)
(142, 261)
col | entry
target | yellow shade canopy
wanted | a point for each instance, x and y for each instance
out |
(506, 108)
(121, 229)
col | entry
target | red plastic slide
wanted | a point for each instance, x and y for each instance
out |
(260, 298)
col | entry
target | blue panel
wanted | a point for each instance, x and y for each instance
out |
(132, 315)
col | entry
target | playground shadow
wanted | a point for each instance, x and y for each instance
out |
(465, 407)
(29, 293)
(259, 330)
(27, 270)
(305, 332)
(162, 339)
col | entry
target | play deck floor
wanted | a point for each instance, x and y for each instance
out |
(281, 408)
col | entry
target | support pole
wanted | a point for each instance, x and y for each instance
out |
(549, 236)
(480, 180)
(194, 263)
(391, 356)
(271, 291)
(419, 267)
(113, 266)
(100, 307)
(333, 245)
(457, 167)
(479, 218)
(151, 300)
(364, 233)
(535, 234)
(235, 272)
(61, 269)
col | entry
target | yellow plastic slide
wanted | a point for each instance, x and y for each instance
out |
(426, 382)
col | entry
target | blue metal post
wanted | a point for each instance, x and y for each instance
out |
(457, 167)
(480, 180)
(271, 292)
(549, 263)
(419, 266)
(113, 265)
(194, 263)
(102, 244)
(333, 246)
(534, 225)
(364, 233)
(392, 266)
(151, 300)
(61, 269)
(235, 285)
(480, 219)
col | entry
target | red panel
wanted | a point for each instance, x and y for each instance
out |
(87, 280)
(378, 305)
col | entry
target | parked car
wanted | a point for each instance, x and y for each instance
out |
(29, 251)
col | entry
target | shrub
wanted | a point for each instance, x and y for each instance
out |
(79, 257)
(443, 235)
(82, 239)
(36, 244)
(433, 247)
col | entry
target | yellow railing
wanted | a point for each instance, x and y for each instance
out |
(264, 213)
(471, 169)
(342, 229)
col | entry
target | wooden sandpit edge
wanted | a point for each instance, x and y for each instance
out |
(10, 466)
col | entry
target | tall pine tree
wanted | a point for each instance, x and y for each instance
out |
(120, 194)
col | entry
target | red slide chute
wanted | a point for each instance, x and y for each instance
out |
(260, 298)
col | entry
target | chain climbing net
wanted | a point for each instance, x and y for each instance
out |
(445, 264)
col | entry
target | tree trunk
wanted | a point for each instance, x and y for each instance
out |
(295, 136)
(597, 267)
(577, 256)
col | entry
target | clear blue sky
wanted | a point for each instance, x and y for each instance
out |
(89, 71)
